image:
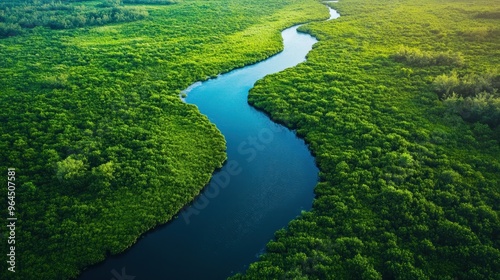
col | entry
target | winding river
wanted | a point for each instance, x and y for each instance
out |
(266, 182)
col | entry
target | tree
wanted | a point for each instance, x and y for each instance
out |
(70, 169)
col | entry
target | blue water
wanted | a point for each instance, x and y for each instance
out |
(266, 182)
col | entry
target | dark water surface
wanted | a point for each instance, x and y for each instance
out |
(266, 182)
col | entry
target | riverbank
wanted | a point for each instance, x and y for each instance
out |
(409, 189)
(267, 181)
(104, 148)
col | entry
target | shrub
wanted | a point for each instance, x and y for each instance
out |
(416, 57)
(484, 108)
(469, 85)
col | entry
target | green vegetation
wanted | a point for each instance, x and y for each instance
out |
(474, 97)
(149, 2)
(401, 114)
(483, 107)
(409, 190)
(415, 57)
(17, 16)
(103, 147)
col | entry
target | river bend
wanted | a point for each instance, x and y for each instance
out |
(266, 182)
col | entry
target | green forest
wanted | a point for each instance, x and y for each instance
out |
(103, 147)
(16, 17)
(399, 102)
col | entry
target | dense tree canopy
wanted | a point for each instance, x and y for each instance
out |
(398, 102)
(18, 16)
(103, 146)
(409, 190)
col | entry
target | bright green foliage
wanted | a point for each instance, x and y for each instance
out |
(416, 57)
(92, 121)
(70, 168)
(469, 85)
(19, 15)
(149, 2)
(408, 189)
